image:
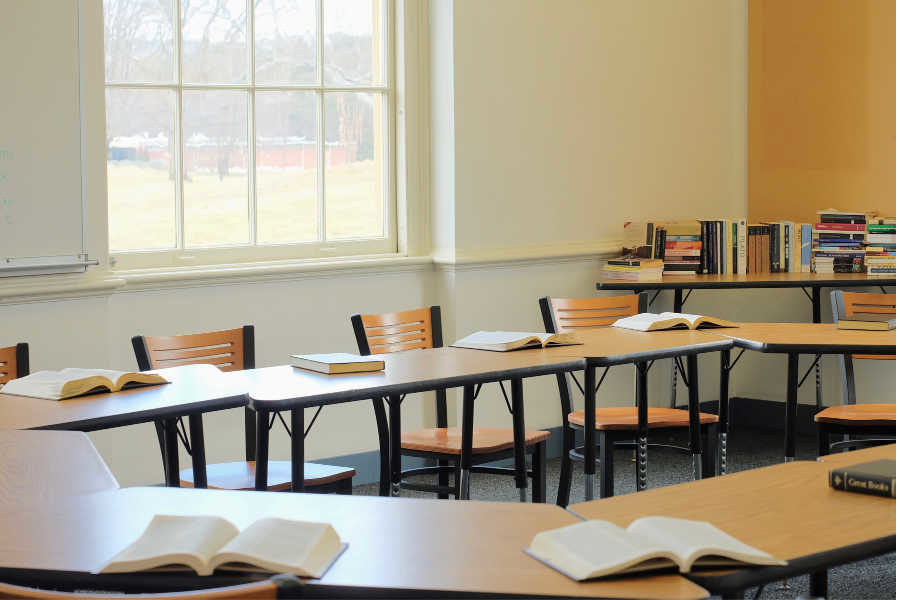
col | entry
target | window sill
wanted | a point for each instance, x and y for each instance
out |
(161, 278)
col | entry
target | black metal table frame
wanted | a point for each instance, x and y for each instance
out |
(814, 295)
(389, 433)
(793, 352)
(168, 417)
(643, 361)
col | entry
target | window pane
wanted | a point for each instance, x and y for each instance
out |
(214, 41)
(215, 165)
(285, 33)
(140, 168)
(354, 165)
(138, 40)
(354, 35)
(286, 167)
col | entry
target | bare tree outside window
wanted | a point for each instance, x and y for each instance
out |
(251, 123)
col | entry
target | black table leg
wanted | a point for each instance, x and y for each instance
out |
(262, 450)
(817, 318)
(590, 431)
(724, 375)
(678, 304)
(641, 462)
(198, 450)
(170, 435)
(468, 432)
(298, 458)
(394, 418)
(694, 414)
(818, 584)
(384, 447)
(518, 410)
(790, 408)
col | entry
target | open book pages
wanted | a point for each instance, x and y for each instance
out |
(339, 362)
(68, 383)
(670, 320)
(502, 341)
(205, 543)
(599, 548)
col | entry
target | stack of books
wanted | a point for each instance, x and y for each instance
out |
(881, 247)
(838, 242)
(723, 247)
(633, 269)
(677, 244)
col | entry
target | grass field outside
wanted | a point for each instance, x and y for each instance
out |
(216, 212)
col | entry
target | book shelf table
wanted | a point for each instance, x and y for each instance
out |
(397, 547)
(787, 510)
(792, 340)
(707, 281)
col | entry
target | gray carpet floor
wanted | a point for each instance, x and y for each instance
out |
(747, 449)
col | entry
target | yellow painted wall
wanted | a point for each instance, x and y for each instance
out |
(821, 103)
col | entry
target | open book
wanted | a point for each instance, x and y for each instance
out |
(598, 548)
(670, 320)
(502, 341)
(68, 383)
(207, 543)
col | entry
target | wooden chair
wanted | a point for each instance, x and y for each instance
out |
(279, 586)
(613, 424)
(13, 362)
(233, 350)
(421, 328)
(849, 418)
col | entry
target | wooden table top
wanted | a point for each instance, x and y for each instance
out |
(615, 345)
(41, 466)
(276, 388)
(807, 338)
(750, 280)
(843, 459)
(787, 510)
(398, 543)
(193, 388)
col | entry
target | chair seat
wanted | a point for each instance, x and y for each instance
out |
(242, 475)
(449, 440)
(616, 417)
(859, 415)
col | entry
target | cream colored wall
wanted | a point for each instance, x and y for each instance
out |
(658, 96)
(573, 116)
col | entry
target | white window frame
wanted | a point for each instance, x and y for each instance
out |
(389, 245)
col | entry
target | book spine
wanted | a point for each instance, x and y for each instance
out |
(704, 247)
(742, 246)
(661, 243)
(848, 481)
(786, 248)
(840, 227)
(651, 232)
(773, 248)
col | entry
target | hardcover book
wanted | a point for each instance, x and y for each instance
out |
(877, 477)
(206, 543)
(670, 320)
(336, 363)
(68, 383)
(593, 549)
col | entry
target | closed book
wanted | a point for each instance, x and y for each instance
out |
(881, 228)
(340, 362)
(881, 238)
(887, 316)
(877, 477)
(867, 325)
(840, 227)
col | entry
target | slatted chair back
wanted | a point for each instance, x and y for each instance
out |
(13, 362)
(279, 586)
(578, 314)
(393, 332)
(574, 314)
(229, 350)
(850, 304)
(406, 330)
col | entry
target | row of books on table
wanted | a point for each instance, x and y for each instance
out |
(838, 242)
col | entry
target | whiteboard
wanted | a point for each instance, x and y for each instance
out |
(42, 207)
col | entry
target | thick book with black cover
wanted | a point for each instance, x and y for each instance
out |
(877, 477)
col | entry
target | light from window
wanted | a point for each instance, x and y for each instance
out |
(254, 123)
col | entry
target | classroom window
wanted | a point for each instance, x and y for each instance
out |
(249, 129)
